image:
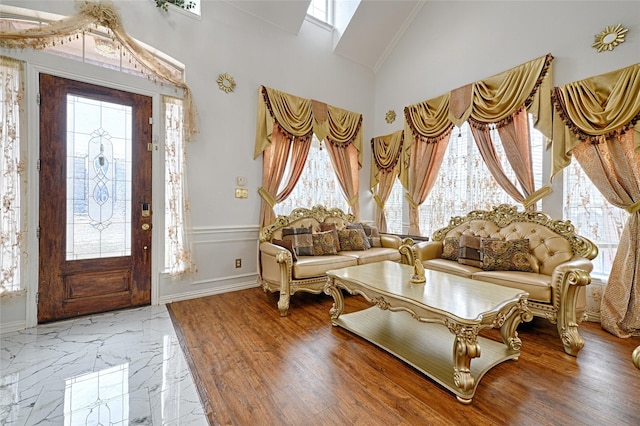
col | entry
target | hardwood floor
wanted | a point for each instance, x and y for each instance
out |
(257, 368)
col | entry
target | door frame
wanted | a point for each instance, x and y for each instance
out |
(107, 78)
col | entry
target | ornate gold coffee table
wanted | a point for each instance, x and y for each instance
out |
(407, 320)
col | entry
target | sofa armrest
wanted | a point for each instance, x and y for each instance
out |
(422, 250)
(276, 269)
(390, 240)
(568, 281)
(274, 250)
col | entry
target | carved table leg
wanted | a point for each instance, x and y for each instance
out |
(508, 329)
(332, 290)
(465, 348)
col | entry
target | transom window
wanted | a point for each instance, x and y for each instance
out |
(95, 47)
(192, 6)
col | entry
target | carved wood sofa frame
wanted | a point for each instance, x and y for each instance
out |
(276, 265)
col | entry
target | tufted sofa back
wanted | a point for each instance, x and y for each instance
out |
(307, 222)
(548, 248)
(303, 218)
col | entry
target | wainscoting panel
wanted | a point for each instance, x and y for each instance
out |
(595, 290)
(216, 250)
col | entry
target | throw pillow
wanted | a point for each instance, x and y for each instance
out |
(373, 234)
(499, 255)
(301, 240)
(288, 245)
(450, 248)
(324, 226)
(360, 226)
(469, 253)
(353, 239)
(323, 243)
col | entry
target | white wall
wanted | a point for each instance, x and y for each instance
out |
(254, 53)
(453, 43)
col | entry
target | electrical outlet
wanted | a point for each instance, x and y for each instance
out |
(242, 193)
(238, 263)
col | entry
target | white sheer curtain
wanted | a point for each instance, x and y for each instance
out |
(465, 183)
(393, 208)
(11, 168)
(593, 216)
(318, 184)
(178, 259)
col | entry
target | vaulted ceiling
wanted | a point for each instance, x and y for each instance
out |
(367, 38)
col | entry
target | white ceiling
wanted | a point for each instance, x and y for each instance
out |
(374, 29)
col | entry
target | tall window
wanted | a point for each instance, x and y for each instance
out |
(177, 254)
(11, 166)
(465, 183)
(318, 184)
(393, 208)
(593, 217)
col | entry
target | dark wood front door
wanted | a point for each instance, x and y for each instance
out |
(95, 199)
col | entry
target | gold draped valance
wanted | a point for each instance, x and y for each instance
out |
(593, 110)
(301, 117)
(493, 100)
(91, 15)
(385, 153)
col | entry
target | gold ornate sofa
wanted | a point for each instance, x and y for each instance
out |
(278, 271)
(554, 272)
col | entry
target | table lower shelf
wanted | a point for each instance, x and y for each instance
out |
(426, 346)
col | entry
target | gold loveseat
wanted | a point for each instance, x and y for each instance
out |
(279, 272)
(558, 260)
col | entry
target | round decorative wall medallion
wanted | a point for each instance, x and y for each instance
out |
(610, 37)
(226, 83)
(391, 116)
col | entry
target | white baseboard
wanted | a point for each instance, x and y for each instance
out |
(208, 292)
(12, 326)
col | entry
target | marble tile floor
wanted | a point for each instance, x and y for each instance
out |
(118, 368)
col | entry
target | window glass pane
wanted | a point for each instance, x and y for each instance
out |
(593, 217)
(12, 234)
(192, 6)
(98, 179)
(320, 9)
(318, 184)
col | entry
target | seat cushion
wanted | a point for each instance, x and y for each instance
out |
(317, 266)
(537, 285)
(451, 267)
(374, 254)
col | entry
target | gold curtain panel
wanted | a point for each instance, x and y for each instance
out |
(299, 117)
(593, 110)
(385, 152)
